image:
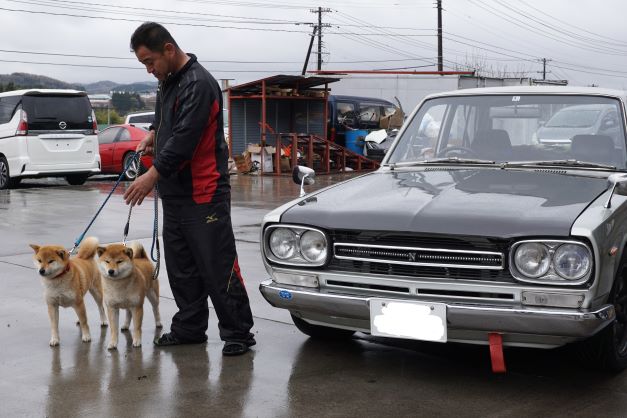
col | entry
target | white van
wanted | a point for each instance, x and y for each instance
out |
(46, 133)
(141, 119)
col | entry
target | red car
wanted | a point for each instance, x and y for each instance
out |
(117, 145)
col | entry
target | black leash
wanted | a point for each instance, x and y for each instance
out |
(155, 230)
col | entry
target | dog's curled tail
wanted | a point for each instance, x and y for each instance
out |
(87, 249)
(138, 250)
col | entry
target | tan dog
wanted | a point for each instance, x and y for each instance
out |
(66, 280)
(126, 280)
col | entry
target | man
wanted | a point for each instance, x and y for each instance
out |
(190, 167)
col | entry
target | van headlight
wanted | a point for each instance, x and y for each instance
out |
(551, 262)
(295, 245)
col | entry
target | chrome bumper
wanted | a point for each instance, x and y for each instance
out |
(574, 324)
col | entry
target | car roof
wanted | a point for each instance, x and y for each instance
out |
(124, 125)
(360, 98)
(565, 90)
(42, 91)
(140, 114)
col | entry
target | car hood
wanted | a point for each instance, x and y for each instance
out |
(481, 202)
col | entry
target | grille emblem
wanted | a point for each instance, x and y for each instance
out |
(62, 125)
(412, 256)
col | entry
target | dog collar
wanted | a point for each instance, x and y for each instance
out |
(65, 270)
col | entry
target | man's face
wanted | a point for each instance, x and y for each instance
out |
(157, 63)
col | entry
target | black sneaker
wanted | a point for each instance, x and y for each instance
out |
(166, 339)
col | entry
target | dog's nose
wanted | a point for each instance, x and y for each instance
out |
(111, 272)
(42, 271)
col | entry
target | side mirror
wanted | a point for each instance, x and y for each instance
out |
(303, 175)
(617, 184)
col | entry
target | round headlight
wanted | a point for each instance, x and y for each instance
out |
(283, 243)
(532, 259)
(313, 246)
(571, 261)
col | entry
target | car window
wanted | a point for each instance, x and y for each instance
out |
(46, 112)
(574, 118)
(345, 111)
(511, 128)
(7, 107)
(141, 119)
(108, 135)
(389, 110)
(125, 135)
(369, 113)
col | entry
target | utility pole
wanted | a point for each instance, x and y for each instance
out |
(311, 41)
(319, 26)
(544, 61)
(440, 57)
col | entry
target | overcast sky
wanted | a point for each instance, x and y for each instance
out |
(245, 40)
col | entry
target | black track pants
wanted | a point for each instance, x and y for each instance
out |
(201, 261)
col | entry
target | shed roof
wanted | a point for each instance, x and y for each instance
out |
(283, 81)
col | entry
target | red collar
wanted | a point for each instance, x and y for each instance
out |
(65, 270)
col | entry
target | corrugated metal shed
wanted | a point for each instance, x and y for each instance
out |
(278, 104)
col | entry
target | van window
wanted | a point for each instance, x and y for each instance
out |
(345, 111)
(45, 112)
(141, 119)
(7, 107)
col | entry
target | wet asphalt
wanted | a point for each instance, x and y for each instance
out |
(284, 375)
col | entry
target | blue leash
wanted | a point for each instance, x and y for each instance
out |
(155, 240)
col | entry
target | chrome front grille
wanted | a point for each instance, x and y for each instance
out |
(420, 256)
(407, 255)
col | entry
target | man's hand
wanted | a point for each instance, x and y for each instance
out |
(140, 188)
(147, 144)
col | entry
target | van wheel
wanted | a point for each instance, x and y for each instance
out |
(6, 182)
(320, 332)
(607, 350)
(76, 179)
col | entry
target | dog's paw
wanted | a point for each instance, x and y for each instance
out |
(125, 327)
(54, 342)
(86, 338)
(137, 343)
(159, 325)
(112, 346)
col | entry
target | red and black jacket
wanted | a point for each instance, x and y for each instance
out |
(191, 154)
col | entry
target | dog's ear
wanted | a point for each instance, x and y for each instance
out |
(129, 252)
(35, 247)
(100, 251)
(62, 254)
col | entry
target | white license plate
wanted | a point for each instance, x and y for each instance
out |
(413, 320)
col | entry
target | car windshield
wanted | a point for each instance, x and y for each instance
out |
(574, 118)
(514, 128)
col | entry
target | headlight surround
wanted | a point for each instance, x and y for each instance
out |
(295, 245)
(551, 262)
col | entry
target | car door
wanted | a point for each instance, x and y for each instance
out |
(106, 141)
(122, 145)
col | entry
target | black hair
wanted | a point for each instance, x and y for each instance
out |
(153, 36)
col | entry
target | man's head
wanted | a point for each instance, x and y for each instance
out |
(156, 49)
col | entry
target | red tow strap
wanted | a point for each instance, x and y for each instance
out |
(496, 352)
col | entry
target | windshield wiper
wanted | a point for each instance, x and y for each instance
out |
(572, 163)
(447, 160)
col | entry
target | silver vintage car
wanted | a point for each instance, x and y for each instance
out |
(470, 229)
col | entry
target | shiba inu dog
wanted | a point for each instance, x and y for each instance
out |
(66, 281)
(126, 279)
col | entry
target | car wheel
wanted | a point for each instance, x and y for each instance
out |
(134, 170)
(318, 331)
(76, 179)
(608, 348)
(6, 182)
